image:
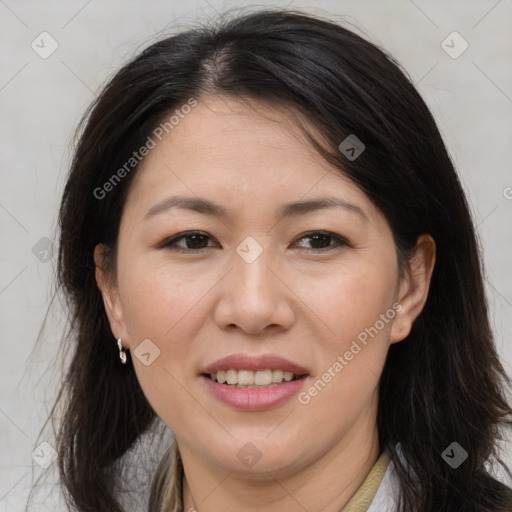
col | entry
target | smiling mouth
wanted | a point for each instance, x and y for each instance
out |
(249, 379)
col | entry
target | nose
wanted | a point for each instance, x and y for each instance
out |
(254, 295)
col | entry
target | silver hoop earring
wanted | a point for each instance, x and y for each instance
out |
(122, 353)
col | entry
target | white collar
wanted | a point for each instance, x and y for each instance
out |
(386, 497)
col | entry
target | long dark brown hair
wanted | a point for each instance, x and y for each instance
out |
(443, 383)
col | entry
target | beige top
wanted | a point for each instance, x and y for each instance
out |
(363, 497)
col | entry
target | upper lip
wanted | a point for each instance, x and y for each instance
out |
(248, 362)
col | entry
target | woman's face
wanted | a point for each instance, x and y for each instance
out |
(262, 288)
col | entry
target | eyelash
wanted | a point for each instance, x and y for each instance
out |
(170, 242)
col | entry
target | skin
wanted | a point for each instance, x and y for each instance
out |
(294, 300)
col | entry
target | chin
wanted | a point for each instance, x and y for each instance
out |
(255, 459)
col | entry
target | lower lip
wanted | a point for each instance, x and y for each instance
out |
(255, 399)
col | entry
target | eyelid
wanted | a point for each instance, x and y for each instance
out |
(169, 242)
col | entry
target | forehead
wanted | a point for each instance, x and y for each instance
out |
(222, 129)
(232, 151)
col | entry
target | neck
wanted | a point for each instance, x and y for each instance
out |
(327, 484)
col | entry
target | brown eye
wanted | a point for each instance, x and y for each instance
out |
(194, 241)
(320, 240)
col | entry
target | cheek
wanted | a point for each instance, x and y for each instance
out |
(355, 307)
(162, 307)
(350, 300)
(158, 303)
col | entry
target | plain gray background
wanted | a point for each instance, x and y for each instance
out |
(42, 99)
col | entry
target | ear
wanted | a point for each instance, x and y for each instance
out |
(110, 296)
(413, 288)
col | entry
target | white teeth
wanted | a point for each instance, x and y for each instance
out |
(277, 375)
(249, 378)
(232, 377)
(245, 377)
(263, 377)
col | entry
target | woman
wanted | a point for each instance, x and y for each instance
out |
(358, 373)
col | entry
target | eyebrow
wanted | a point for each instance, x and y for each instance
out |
(288, 210)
